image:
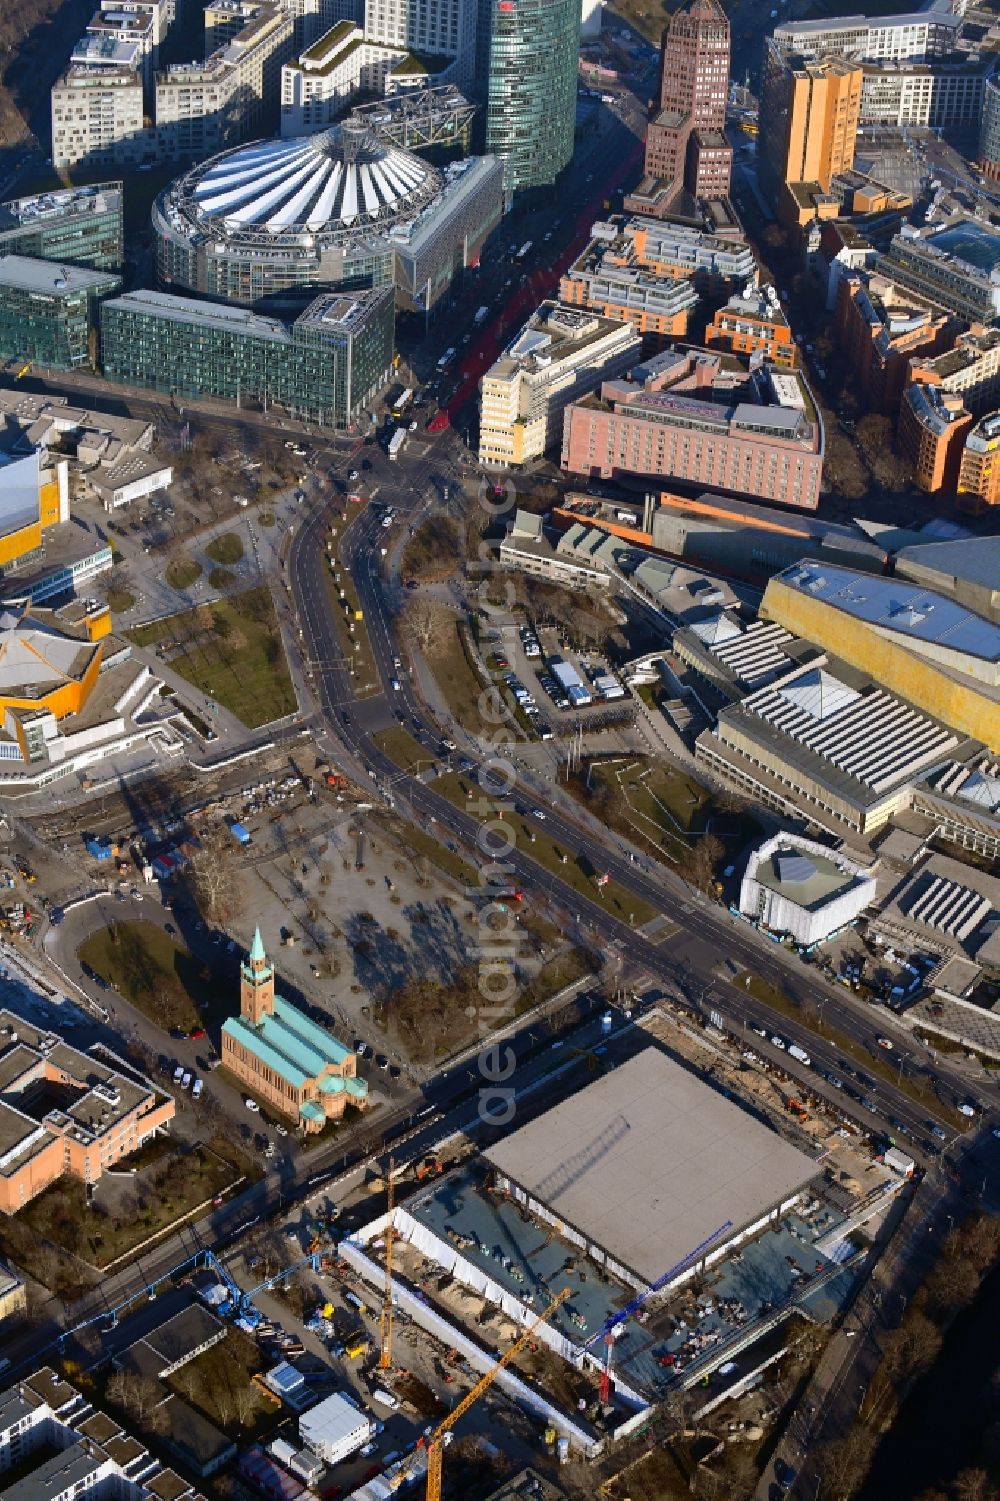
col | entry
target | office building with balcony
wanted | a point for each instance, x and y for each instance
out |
(49, 312)
(559, 354)
(753, 323)
(697, 418)
(954, 266)
(294, 1065)
(528, 53)
(611, 279)
(713, 264)
(63, 1111)
(322, 368)
(76, 226)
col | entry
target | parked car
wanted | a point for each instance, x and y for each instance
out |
(196, 1089)
(252, 1105)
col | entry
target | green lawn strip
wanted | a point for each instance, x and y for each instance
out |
(182, 573)
(449, 861)
(460, 685)
(227, 548)
(355, 648)
(157, 1197)
(577, 870)
(231, 650)
(219, 1383)
(880, 1065)
(406, 751)
(156, 975)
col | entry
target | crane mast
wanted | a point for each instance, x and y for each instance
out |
(385, 1322)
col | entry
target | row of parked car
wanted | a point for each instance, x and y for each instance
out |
(526, 703)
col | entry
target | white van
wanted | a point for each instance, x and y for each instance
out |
(385, 1399)
(196, 1089)
(186, 1080)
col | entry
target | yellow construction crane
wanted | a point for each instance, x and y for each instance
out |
(385, 1322)
(435, 1447)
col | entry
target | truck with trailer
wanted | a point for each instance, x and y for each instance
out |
(396, 443)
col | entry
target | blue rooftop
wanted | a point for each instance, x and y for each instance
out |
(976, 244)
(898, 606)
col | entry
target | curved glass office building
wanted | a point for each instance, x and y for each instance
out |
(531, 100)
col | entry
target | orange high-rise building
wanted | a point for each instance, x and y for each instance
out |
(809, 114)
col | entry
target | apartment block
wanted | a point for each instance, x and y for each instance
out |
(97, 118)
(63, 1111)
(752, 322)
(809, 115)
(432, 28)
(979, 471)
(609, 278)
(685, 145)
(559, 354)
(202, 108)
(932, 429)
(712, 263)
(319, 85)
(698, 418)
(882, 333)
(971, 369)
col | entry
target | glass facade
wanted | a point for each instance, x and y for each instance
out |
(321, 368)
(51, 325)
(78, 226)
(531, 91)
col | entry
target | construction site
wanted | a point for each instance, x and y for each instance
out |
(655, 1233)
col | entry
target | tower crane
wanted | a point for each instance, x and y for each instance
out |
(385, 1322)
(435, 1443)
(615, 1325)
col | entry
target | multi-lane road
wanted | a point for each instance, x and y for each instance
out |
(700, 933)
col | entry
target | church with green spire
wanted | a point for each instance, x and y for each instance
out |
(291, 1063)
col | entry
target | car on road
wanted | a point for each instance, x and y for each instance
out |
(778, 1042)
(251, 1105)
(884, 1042)
(995, 1131)
(965, 1109)
(353, 475)
(382, 1060)
(539, 813)
(196, 1034)
(395, 685)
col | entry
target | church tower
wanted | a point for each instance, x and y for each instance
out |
(256, 983)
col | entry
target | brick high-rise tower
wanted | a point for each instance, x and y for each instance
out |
(685, 145)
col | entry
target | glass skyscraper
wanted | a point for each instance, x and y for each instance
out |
(530, 56)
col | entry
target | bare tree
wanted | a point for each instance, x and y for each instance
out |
(214, 880)
(844, 1463)
(701, 860)
(141, 1397)
(973, 1485)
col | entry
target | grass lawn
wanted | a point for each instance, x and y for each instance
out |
(228, 548)
(162, 980)
(459, 683)
(231, 650)
(221, 578)
(219, 1383)
(120, 600)
(880, 1066)
(660, 807)
(452, 863)
(575, 870)
(406, 751)
(265, 518)
(182, 573)
(156, 1197)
